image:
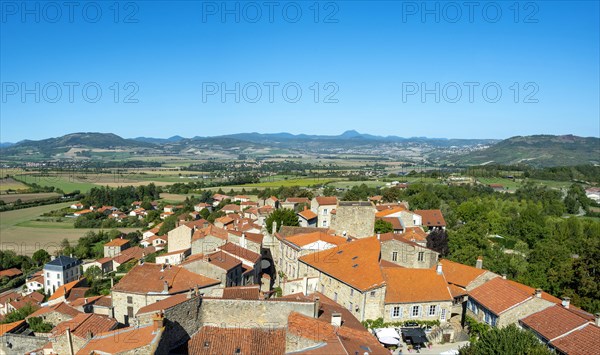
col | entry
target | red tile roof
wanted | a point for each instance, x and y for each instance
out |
(415, 285)
(585, 341)
(355, 263)
(432, 218)
(297, 200)
(327, 308)
(63, 291)
(553, 322)
(301, 240)
(389, 211)
(242, 292)
(394, 221)
(61, 308)
(213, 340)
(531, 291)
(85, 323)
(307, 214)
(121, 340)
(326, 200)
(460, 274)
(164, 304)
(8, 327)
(240, 252)
(223, 260)
(149, 278)
(11, 272)
(498, 295)
(211, 230)
(416, 234)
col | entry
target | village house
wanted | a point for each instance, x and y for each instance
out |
(208, 239)
(231, 208)
(406, 253)
(217, 265)
(251, 262)
(76, 206)
(55, 314)
(499, 303)
(104, 264)
(322, 207)
(292, 202)
(218, 198)
(432, 219)
(307, 218)
(202, 205)
(115, 247)
(147, 283)
(272, 202)
(157, 241)
(129, 341)
(180, 238)
(81, 329)
(173, 258)
(10, 273)
(60, 271)
(35, 283)
(240, 198)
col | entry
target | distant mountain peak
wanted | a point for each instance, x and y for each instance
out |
(350, 134)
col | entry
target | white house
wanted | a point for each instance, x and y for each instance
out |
(60, 271)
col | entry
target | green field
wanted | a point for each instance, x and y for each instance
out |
(11, 184)
(511, 184)
(66, 183)
(19, 230)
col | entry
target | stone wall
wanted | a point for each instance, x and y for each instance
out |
(180, 238)
(205, 245)
(249, 314)
(481, 279)
(523, 310)
(304, 285)
(120, 303)
(55, 317)
(295, 343)
(356, 218)
(207, 269)
(408, 255)
(11, 344)
(406, 309)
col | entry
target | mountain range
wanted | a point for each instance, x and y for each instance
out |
(539, 150)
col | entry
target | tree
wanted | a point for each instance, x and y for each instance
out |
(438, 240)
(329, 191)
(39, 326)
(382, 226)
(40, 257)
(283, 217)
(507, 340)
(168, 224)
(93, 273)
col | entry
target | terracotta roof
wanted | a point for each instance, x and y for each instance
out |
(414, 234)
(327, 308)
(211, 230)
(389, 211)
(457, 291)
(223, 260)
(460, 274)
(326, 200)
(336, 340)
(231, 207)
(394, 221)
(121, 340)
(80, 302)
(224, 220)
(253, 237)
(77, 292)
(199, 223)
(498, 295)
(8, 327)
(11, 272)
(307, 214)
(286, 231)
(64, 290)
(133, 253)
(273, 198)
(61, 308)
(585, 341)
(297, 200)
(213, 340)
(163, 304)
(301, 240)
(149, 278)
(35, 297)
(104, 301)
(432, 218)
(240, 252)
(385, 237)
(355, 263)
(553, 322)
(242, 292)
(83, 324)
(9, 297)
(376, 198)
(415, 285)
(531, 291)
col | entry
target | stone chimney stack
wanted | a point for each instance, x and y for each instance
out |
(165, 287)
(597, 319)
(538, 292)
(566, 302)
(336, 319)
(243, 240)
(274, 230)
(317, 306)
(504, 276)
(158, 321)
(479, 263)
(438, 268)
(378, 236)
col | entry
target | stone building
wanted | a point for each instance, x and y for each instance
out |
(396, 249)
(356, 218)
(60, 271)
(147, 283)
(180, 238)
(251, 262)
(322, 207)
(217, 265)
(207, 239)
(115, 247)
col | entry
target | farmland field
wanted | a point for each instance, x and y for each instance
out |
(11, 184)
(28, 197)
(20, 232)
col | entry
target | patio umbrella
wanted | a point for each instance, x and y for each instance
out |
(389, 340)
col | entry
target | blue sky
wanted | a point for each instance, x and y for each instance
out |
(372, 61)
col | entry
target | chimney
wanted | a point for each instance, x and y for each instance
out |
(85, 300)
(438, 268)
(597, 319)
(305, 285)
(190, 293)
(566, 302)
(71, 255)
(243, 240)
(157, 321)
(378, 236)
(504, 276)
(479, 263)
(162, 268)
(165, 287)
(52, 257)
(336, 319)
(70, 341)
(317, 306)
(274, 230)
(538, 292)
(112, 282)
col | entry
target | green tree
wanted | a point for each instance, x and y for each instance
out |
(329, 191)
(40, 257)
(507, 340)
(283, 217)
(38, 325)
(93, 273)
(382, 226)
(438, 240)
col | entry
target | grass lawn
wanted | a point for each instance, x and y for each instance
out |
(512, 185)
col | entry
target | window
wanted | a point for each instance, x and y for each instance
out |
(58, 276)
(322, 288)
(48, 275)
(324, 223)
(432, 310)
(350, 306)
(396, 312)
(324, 211)
(130, 312)
(335, 296)
(395, 256)
(373, 293)
(421, 256)
(351, 292)
(48, 282)
(129, 299)
(416, 311)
